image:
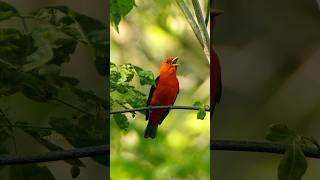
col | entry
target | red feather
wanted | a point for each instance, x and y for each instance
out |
(164, 93)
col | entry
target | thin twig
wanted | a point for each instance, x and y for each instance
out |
(55, 155)
(27, 126)
(11, 66)
(158, 107)
(11, 128)
(73, 106)
(24, 24)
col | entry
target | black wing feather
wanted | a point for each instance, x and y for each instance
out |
(153, 87)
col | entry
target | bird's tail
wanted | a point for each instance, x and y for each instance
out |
(151, 130)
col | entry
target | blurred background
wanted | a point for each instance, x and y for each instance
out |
(152, 31)
(81, 67)
(270, 58)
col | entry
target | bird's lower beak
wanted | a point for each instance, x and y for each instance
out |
(174, 61)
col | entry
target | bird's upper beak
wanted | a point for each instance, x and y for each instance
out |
(174, 61)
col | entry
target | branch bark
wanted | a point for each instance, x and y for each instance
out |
(252, 146)
(55, 155)
(215, 145)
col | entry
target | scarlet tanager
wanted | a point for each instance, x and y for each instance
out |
(215, 70)
(163, 93)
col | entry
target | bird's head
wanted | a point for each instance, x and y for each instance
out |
(169, 65)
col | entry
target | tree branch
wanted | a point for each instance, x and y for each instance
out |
(252, 146)
(216, 145)
(158, 107)
(55, 155)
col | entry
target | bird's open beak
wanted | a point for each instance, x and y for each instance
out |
(174, 61)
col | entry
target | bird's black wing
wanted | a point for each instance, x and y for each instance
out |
(153, 87)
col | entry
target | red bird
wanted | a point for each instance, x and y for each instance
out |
(163, 93)
(215, 73)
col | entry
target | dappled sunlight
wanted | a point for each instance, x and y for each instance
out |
(176, 140)
(195, 126)
(130, 140)
(159, 41)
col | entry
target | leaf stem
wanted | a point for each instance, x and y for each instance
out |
(24, 24)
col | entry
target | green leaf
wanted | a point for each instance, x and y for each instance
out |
(198, 104)
(146, 77)
(122, 121)
(80, 137)
(118, 10)
(135, 98)
(89, 96)
(7, 11)
(42, 55)
(280, 132)
(201, 114)
(127, 73)
(94, 30)
(81, 28)
(37, 90)
(41, 136)
(30, 172)
(75, 171)
(63, 49)
(60, 18)
(15, 46)
(293, 165)
(49, 69)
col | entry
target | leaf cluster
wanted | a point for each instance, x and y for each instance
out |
(124, 94)
(31, 60)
